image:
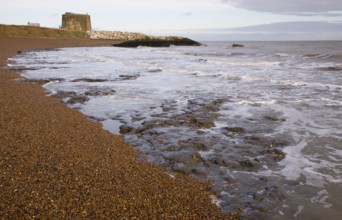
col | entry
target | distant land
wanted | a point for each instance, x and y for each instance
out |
(130, 39)
(297, 30)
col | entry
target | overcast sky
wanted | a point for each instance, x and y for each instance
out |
(164, 17)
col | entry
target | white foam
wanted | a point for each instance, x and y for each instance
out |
(300, 208)
(257, 102)
(296, 163)
(112, 126)
(171, 175)
(321, 198)
(244, 63)
(206, 154)
(215, 200)
(282, 54)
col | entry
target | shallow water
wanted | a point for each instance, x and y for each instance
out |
(263, 122)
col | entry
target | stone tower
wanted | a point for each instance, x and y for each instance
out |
(76, 22)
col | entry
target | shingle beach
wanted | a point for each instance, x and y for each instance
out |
(57, 164)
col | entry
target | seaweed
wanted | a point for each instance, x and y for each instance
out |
(158, 42)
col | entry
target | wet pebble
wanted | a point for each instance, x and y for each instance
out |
(89, 80)
(129, 77)
(64, 94)
(124, 129)
(99, 91)
(235, 129)
(77, 99)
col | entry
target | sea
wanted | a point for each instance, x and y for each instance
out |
(262, 122)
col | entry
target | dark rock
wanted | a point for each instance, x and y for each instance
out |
(269, 192)
(42, 81)
(262, 141)
(152, 133)
(217, 160)
(182, 168)
(191, 143)
(201, 60)
(129, 77)
(137, 118)
(220, 101)
(24, 68)
(202, 122)
(254, 215)
(210, 108)
(238, 45)
(98, 91)
(263, 179)
(331, 68)
(159, 123)
(276, 154)
(64, 94)
(78, 99)
(253, 138)
(274, 192)
(96, 119)
(235, 129)
(89, 80)
(250, 164)
(158, 42)
(277, 143)
(124, 129)
(155, 70)
(169, 106)
(186, 157)
(273, 118)
(173, 147)
(200, 171)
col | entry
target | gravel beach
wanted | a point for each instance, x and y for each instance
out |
(56, 164)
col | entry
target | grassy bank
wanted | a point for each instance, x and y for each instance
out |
(39, 32)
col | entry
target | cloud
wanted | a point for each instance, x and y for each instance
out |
(295, 26)
(82, 5)
(297, 7)
(187, 14)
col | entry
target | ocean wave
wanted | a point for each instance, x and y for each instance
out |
(330, 68)
(282, 54)
(316, 56)
(327, 57)
(244, 63)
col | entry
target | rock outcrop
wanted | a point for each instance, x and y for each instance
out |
(159, 42)
(238, 45)
(133, 39)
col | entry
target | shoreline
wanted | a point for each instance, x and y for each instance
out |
(55, 163)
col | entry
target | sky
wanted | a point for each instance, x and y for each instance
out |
(199, 19)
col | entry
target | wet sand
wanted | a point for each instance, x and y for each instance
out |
(56, 164)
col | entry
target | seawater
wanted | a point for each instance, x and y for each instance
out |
(263, 122)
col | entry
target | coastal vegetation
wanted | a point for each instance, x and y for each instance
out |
(39, 32)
